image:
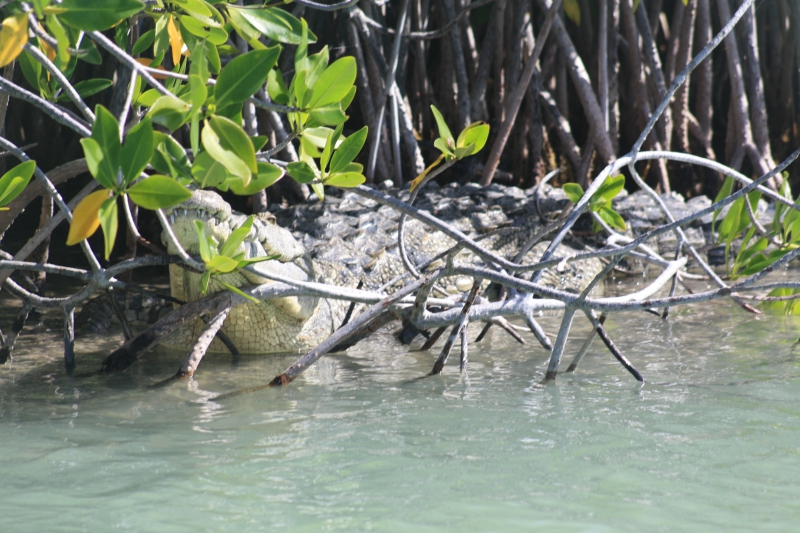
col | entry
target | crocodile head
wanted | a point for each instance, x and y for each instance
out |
(276, 325)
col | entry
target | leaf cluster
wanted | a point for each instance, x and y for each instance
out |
(601, 201)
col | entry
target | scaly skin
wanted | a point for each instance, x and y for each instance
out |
(299, 323)
(280, 325)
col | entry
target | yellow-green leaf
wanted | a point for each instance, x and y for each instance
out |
(109, 221)
(15, 180)
(573, 11)
(84, 219)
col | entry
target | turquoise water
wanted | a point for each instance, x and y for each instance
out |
(710, 443)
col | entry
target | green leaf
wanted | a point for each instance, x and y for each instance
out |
(475, 134)
(464, 151)
(236, 238)
(612, 218)
(222, 264)
(611, 187)
(724, 192)
(169, 157)
(276, 24)
(316, 64)
(319, 190)
(197, 93)
(233, 138)
(346, 179)
(318, 137)
(105, 131)
(197, 28)
(15, 180)
(301, 172)
(301, 53)
(444, 131)
(202, 241)
(91, 15)
(62, 40)
(573, 191)
(109, 221)
(92, 55)
(442, 146)
(276, 87)
(87, 88)
(348, 150)
(334, 83)
(326, 154)
(244, 75)
(267, 175)
(348, 98)
(144, 42)
(227, 157)
(94, 158)
(207, 171)
(158, 192)
(31, 69)
(239, 292)
(137, 150)
(170, 112)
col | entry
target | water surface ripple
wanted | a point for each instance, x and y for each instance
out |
(710, 443)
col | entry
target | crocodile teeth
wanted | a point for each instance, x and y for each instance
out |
(172, 218)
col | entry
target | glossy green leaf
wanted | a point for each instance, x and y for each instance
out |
(224, 154)
(244, 75)
(276, 24)
(137, 150)
(31, 69)
(348, 150)
(169, 112)
(207, 171)
(348, 98)
(301, 52)
(326, 154)
(15, 180)
(301, 172)
(346, 179)
(92, 54)
(232, 137)
(87, 88)
(319, 137)
(158, 192)
(144, 42)
(94, 158)
(105, 131)
(442, 146)
(276, 87)
(475, 134)
(215, 36)
(109, 221)
(222, 264)
(334, 83)
(611, 187)
(573, 191)
(62, 40)
(202, 241)
(169, 157)
(316, 65)
(268, 174)
(91, 15)
(612, 218)
(464, 151)
(444, 131)
(236, 238)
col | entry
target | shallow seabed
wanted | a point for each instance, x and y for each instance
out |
(710, 443)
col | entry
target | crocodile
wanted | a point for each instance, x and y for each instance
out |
(348, 239)
(341, 241)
